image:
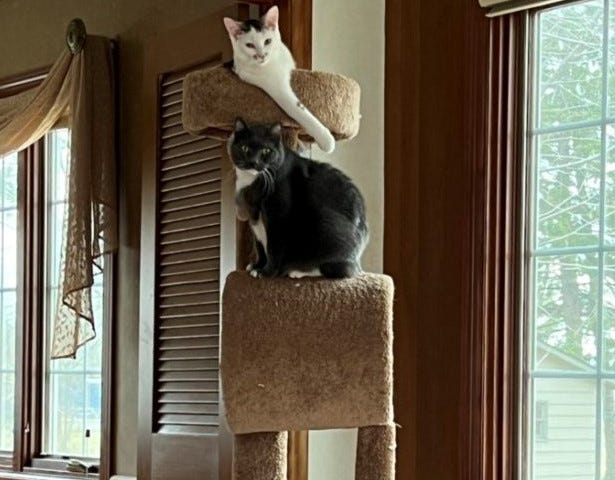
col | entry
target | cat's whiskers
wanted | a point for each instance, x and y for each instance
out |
(268, 176)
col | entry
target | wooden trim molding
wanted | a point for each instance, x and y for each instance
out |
(401, 220)
(490, 348)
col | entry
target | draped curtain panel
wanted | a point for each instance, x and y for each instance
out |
(80, 86)
(503, 7)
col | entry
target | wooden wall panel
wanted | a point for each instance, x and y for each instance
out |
(401, 232)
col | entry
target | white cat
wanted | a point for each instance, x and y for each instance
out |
(262, 59)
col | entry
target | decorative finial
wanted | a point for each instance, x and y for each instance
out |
(75, 35)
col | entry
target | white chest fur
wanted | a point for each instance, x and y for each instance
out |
(244, 178)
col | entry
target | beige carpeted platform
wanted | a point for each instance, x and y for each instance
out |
(307, 354)
(215, 97)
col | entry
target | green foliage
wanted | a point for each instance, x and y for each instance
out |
(575, 184)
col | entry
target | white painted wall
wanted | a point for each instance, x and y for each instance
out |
(348, 38)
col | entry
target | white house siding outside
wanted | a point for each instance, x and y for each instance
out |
(566, 451)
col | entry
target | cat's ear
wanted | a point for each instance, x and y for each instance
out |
(239, 124)
(232, 27)
(270, 19)
(276, 129)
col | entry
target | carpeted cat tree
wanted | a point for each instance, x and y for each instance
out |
(299, 354)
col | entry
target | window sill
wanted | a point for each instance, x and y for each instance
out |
(36, 474)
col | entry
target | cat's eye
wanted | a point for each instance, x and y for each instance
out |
(250, 45)
(268, 41)
(266, 151)
(244, 149)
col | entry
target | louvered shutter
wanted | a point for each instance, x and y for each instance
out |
(188, 277)
(186, 211)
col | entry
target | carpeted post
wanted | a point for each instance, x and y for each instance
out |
(260, 456)
(376, 453)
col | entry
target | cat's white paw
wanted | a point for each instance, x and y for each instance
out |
(326, 142)
(298, 274)
(250, 267)
(255, 273)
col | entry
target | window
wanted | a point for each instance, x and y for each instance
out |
(72, 387)
(8, 297)
(61, 409)
(570, 253)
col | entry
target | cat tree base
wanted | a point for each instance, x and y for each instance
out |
(309, 354)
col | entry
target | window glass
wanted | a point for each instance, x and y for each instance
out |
(72, 387)
(8, 296)
(570, 264)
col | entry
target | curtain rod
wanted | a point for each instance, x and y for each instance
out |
(75, 35)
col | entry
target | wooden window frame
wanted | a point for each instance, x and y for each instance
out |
(26, 461)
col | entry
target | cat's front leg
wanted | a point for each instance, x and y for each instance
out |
(273, 264)
(323, 136)
(261, 260)
(285, 97)
(272, 268)
(324, 139)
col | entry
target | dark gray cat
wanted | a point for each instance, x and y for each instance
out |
(308, 218)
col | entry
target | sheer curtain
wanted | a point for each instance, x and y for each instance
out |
(80, 86)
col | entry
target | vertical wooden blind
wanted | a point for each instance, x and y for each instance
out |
(188, 273)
